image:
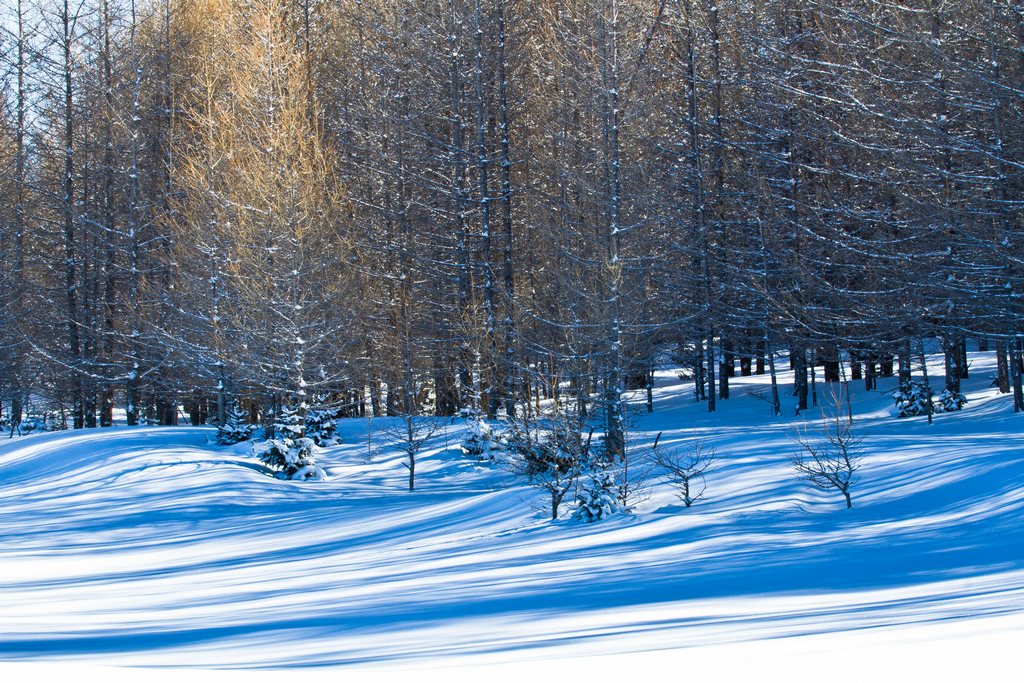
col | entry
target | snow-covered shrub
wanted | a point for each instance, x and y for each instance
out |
(236, 427)
(514, 438)
(322, 428)
(950, 401)
(31, 424)
(477, 443)
(912, 400)
(290, 452)
(599, 499)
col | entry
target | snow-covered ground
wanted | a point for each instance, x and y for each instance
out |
(151, 547)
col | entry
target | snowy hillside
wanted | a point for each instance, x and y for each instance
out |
(150, 546)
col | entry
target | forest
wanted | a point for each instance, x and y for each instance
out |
(391, 207)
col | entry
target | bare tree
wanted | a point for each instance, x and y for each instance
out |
(551, 453)
(830, 461)
(685, 467)
(414, 432)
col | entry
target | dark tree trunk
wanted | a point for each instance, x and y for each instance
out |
(798, 357)
(830, 369)
(446, 390)
(870, 373)
(855, 368)
(723, 379)
(195, 414)
(924, 376)
(830, 365)
(906, 373)
(1017, 371)
(89, 408)
(814, 379)
(951, 355)
(391, 402)
(711, 372)
(1002, 368)
(107, 407)
(17, 412)
(963, 372)
(375, 399)
(770, 353)
(698, 373)
(650, 388)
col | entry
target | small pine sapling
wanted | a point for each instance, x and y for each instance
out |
(291, 452)
(599, 499)
(950, 401)
(912, 399)
(684, 469)
(322, 427)
(236, 427)
(477, 443)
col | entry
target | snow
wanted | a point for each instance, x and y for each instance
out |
(152, 546)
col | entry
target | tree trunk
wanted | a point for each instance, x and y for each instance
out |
(924, 376)
(963, 371)
(906, 374)
(1017, 371)
(711, 372)
(723, 377)
(830, 366)
(509, 373)
(650, 388)
(68, 206)
(1002, 367)
(491, 390)
(615, 434)
(769, 352)
(799, 359)
(951, 356)
(814, 378)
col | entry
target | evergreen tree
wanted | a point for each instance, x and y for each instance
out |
(290, 452)
(236, 427)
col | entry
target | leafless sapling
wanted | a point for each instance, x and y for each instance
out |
(831, 461)
(685, 468)
(551, 454)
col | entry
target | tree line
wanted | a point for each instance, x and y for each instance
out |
(395, 207)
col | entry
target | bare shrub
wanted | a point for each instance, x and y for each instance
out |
(685, 467)
(830, 462)
(551, 453)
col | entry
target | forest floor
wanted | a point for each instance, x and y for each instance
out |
(151, 547)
